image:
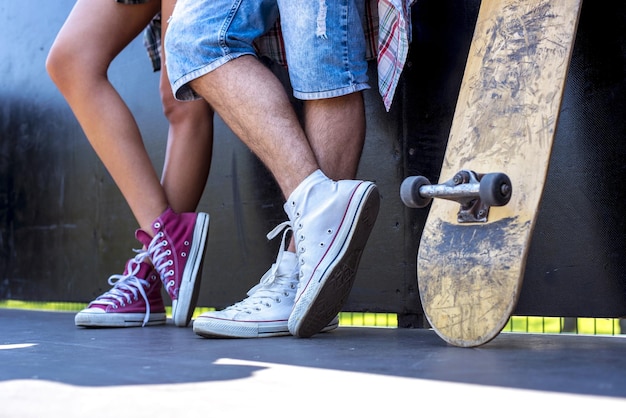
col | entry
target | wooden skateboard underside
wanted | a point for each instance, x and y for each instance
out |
(470, 275)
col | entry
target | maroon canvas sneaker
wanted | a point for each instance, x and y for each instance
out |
(135, 299)
(177, 253)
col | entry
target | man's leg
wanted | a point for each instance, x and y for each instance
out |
(337, 134)
(253, 103)
(336, 131)
(331, 220)
(327, 67)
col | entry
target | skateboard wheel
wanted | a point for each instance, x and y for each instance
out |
(410, 192)
(495, 189)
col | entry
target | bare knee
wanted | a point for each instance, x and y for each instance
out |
(57, 63)
(172, 109)
(178, 112)
(54, 63)
(68, 67)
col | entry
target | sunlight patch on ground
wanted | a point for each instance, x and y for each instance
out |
(288, 390)
(15, 346)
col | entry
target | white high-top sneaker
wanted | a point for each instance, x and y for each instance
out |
(332, 221)
(266, 310)
(264, 313)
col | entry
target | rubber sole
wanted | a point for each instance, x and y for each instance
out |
(183, 307)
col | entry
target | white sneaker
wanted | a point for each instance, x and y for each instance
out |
(264, 313)
(266, 310)
(332, 221)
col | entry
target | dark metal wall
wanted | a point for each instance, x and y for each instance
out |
(577, 266)
(64, 227)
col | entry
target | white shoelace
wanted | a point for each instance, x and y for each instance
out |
(272, 284)
(126, 284)
(158, 256)
(270, 290)
(284, 227)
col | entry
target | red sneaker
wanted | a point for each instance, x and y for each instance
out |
(177, 253)
(135, 299)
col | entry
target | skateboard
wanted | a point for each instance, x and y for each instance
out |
(474, 245)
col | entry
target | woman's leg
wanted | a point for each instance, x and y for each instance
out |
(189, 142)
(93, 35)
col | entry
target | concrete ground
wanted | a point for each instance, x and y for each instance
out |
(50, 368)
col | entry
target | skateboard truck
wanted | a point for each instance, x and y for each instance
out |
(475, 192)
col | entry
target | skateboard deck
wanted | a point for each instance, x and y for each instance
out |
(470, 273)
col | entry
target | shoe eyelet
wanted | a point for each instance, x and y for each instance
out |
(278, 300)
(329, 232)
(168, 252)
(321, 245)
(186, 243)
(157, 225)
(183, 254)
(164, 243)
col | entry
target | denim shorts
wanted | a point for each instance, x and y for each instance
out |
(324, 42)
